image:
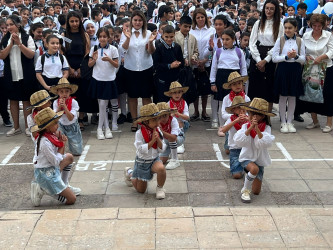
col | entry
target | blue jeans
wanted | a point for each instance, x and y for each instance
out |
(260, 174)
(142, 169)
(235, 165)
(74, 136)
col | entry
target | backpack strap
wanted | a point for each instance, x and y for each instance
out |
(282, 42)
(299, 44)
(42, 60)
(61, 60)
(239, 54)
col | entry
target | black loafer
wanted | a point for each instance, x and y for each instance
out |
(298, 118)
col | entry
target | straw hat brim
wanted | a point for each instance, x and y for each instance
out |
(168, 93)
(249, 108)
(42, 102)
(242, 78)
(148, 117)
(37, 128)
(168, 111)
(238, 105)
(72, 87)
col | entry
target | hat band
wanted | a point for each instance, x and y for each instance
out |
(41, 101)
(152, 115)
(48, 122)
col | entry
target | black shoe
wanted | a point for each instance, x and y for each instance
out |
(94, 119)
(121, 119)
(85, 118)
(7, 123)
(194, 118)
(298, 118)
(129, 118)
(205, 118)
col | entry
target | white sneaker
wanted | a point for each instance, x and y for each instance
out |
(160, 193)
(172, 164)
(27, 132)
(76, 190)
(14, 131)
(246, 197)
(127, 178)
(327, 129)
(36, 194)
(181, 149)
(215, 124)
(100, 134)
(108, 134)
(114, 127)
(284, 128)
(312, 126)
(291, 128)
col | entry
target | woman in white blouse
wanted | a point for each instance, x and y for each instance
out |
(264, 34)
(137, 46)
(319, 48)
(18, 51)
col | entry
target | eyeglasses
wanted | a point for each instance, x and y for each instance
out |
(270, 8)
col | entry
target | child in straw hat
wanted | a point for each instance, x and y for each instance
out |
(172, 135)
(50, 160)
(175, 93)
(149, 144)
(68, 123)
(254, 138)
(232, 125)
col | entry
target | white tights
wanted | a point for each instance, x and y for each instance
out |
(217, 111)
(283, 106)
(103, 113)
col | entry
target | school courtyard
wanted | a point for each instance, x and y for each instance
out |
(202, 208)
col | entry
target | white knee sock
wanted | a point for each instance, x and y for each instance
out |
(65, 173)
(103, 116)
(221, 121)
(114, 105)
(122, 103)
(249, 178)
(173, 148)
(214, 105)
(291, 108)
(282, 108)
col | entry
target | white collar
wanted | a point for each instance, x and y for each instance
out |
(133, 30)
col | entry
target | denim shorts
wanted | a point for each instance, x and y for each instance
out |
(260, 174)
(186, 126)
(235, 165)
(50, 180)
(74, 136)
(142, 169)
(226, 141)
(167, 151)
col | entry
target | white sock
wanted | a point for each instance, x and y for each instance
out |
(103, 115)
(214, 105)
(291, 108)
(114, 105)
(249, 178)
(122, 103)
(173, 148)
(221, 121)
(282, 108)
(65, 173)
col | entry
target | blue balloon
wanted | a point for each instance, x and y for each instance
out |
(290, 2)
(312, 5)
(295, 6)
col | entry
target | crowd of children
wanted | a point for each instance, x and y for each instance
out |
(112, 56)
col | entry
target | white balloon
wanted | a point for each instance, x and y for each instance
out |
(317, 10)
(328, 8)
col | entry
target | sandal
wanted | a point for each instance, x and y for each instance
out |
(134, 128)
(81, 124)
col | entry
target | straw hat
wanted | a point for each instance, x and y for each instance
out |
(234, 77)
(39, 98)
(148, 112)
(258, 105)
(45, 118)
(164, 108)
(175, 86)
(238, 101)
(63, 83)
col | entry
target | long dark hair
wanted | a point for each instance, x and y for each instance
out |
(276, 18)
(35, 26)
(68, 32)
(140, 14)
(17, 22)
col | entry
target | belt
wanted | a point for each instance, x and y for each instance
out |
(143, 161)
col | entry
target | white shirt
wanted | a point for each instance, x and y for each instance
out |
(324, 45)
(231, 132)
(64, 120)
(52, 69)
(174, 126)
(202, 36)
(254, 150)
(31, 123)
(15, 58)
(48, 155)
(103, 70)
(288, 46)
(228, 60)
(265, 38)
(136, 57)
(142, 150)
(227, 103)
(185, 111)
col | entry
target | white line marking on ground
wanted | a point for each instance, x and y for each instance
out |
(116, 131)
(219, 155)
(284, 151)
(211, 129)
(84, 154)
(10, 155)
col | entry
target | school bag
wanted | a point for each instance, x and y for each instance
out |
(298, 42)
(42, 60)
(238, 52)
(86, 71)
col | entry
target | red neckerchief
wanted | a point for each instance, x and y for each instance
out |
(261, 126)
(232, 95)
(237, 125)
(167, 126)
(53, 139)
(147, 134)
(68, 103)
(180, 105)
(34, 113)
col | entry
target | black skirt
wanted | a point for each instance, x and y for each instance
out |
(261, 84)
(325, 108)
(121, 81)
(221, 78)
(20, 91)
(288, 79)
(202, 80)
(139, 84)
(49, 82)
(104, 90)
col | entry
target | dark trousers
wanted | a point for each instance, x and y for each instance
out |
(3, 101)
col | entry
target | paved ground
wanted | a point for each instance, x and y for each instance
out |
(301, 173)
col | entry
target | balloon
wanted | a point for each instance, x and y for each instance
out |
(328, 8)
(295, 6)
(290, 2)
(323, 11)
(317, 10)
(312, 5)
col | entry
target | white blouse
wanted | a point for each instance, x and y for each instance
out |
(64, 120)
(15, 58)
(265, 38)
(136, 57)
(232, 131)
(324, 45)
(290, 44)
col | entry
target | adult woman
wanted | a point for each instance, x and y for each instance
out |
(75, 52)
(18, 50)
(263, 36)
(137, 43)
(202, 31)
(319, 48)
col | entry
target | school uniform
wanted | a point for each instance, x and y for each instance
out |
(53, 68)
(182, 108)
(102, 85)
(93, 41)
(71, 128)
(188, 45)
(40, 50)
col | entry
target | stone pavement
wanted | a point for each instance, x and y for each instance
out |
(168, 228)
